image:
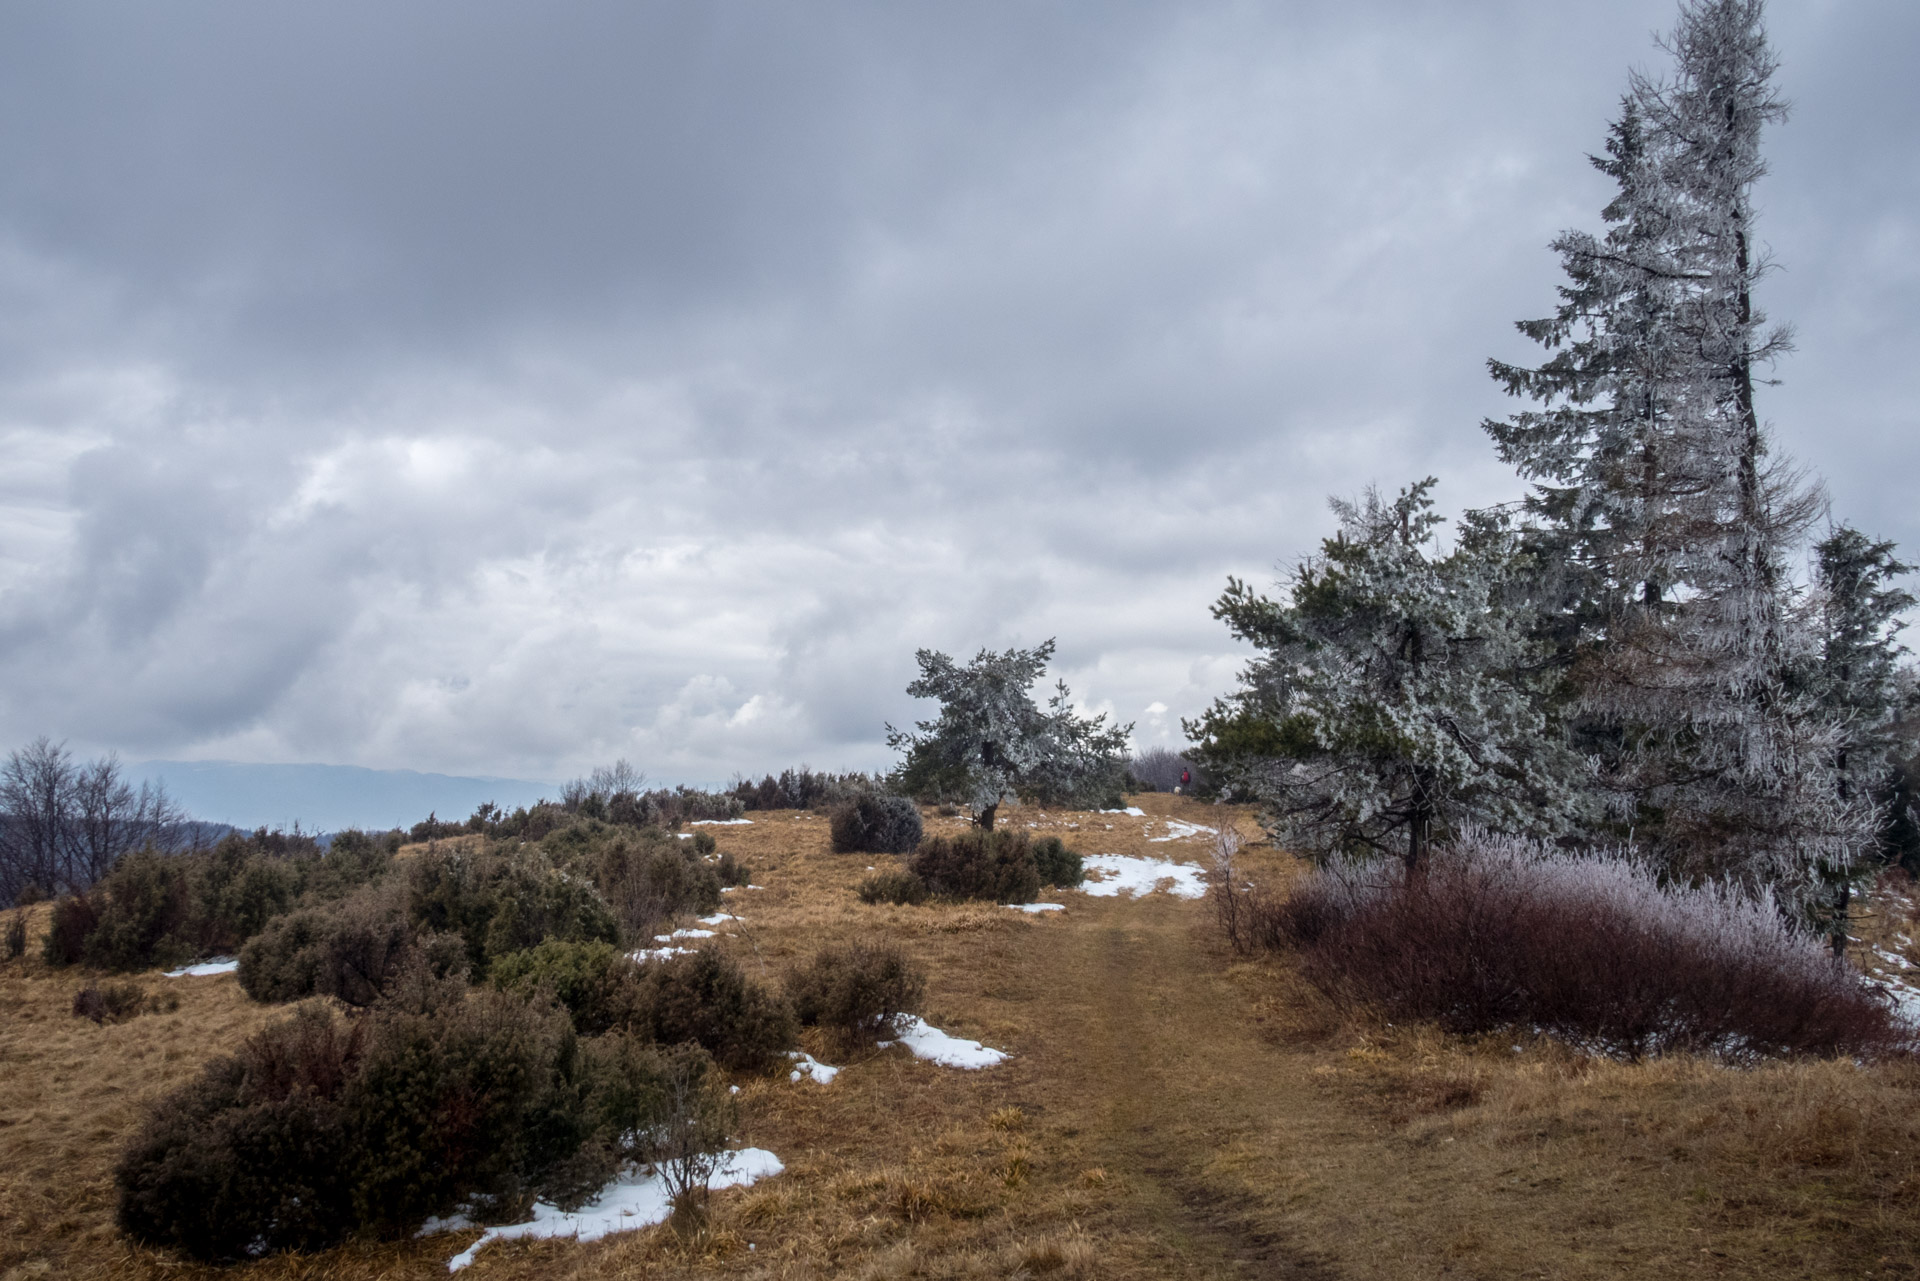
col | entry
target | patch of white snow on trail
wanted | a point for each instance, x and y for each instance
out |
(623, 1205)
(1176, 830)
(683, 934)
(1134, 810)
(685, 836)
(218, 965)
(1905, 998)
(811, 1067)
(731, 888)
(1128, 874)
(1038, 907)
(1893, 957)
(721, 822)
(660, 953)
(716, 918)
(930, 1043)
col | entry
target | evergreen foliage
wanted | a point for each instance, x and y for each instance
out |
(856, 992)
(875, 824)
(997, 867)
(439, 1100)
(1399, 693)
(992, 741)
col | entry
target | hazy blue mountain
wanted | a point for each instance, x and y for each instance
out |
(327, 798)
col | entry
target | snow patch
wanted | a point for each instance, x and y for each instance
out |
(930, 1043)
(218, 965)
(683, 934)
(1131, 875)
(716, 918)
(1177, 830)
(808, 1066)
(1038, 907)
(731, 888)
(685, 836)
(646, 954)
(721, 822)
(1134, 810)
(623, 1205)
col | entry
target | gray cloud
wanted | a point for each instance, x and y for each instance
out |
(494, 389)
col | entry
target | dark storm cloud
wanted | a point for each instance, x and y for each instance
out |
(500, 388)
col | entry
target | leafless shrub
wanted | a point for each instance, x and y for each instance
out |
(689, 1141)
(115, 1002)
(1500, 933)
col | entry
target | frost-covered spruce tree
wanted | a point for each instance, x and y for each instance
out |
(1398, 696)
(992, 741)
(1861, 682)
(1653, 482)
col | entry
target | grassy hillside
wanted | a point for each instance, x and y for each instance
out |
(1167, 1112)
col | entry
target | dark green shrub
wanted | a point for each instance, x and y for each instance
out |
(995, 866)
(1056, 864)
(352, 950)
(702, 844)
(353, 859)
(74, 918)
(731, 871)
(232, 892)
(143, 918)
(282, 962)
(16, 935)
(856, 992)
(704, 998)
(893, 887)
(323, 1128)
(449, 1106)
(874, 824)
(254, 1156)
(598, 985)
(504, 903)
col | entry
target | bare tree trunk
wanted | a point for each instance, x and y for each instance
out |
(985, 820)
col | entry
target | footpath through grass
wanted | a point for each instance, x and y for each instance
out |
(1167, 1112)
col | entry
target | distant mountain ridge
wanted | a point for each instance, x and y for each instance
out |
(328, 798)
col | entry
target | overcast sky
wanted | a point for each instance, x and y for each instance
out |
(506, 388)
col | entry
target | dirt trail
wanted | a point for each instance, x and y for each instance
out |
(1152, 1113)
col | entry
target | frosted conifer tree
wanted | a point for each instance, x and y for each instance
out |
(1398, 695)
(1861, 682)
(1653, 482)
(992, 741)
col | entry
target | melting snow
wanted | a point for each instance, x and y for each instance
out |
(683, 934)
(809, 1066)
(685, 836)
(721, 822)
(1176, 830)
(731, 888)
(930, 1043)
(660, 953)
(1134, 810)
(1125, 873)
(1037, 907)
(218, 965)
(623, 1205)
(716, 918)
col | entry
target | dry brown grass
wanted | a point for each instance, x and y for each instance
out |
(1167, 1113)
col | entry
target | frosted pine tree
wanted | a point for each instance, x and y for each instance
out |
(992, 741)
(1653, 481)
(1861, 682)
(1398, 696)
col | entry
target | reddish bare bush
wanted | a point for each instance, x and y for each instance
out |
(1499, 933)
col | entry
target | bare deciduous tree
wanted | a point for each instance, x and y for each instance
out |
(63, 823)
